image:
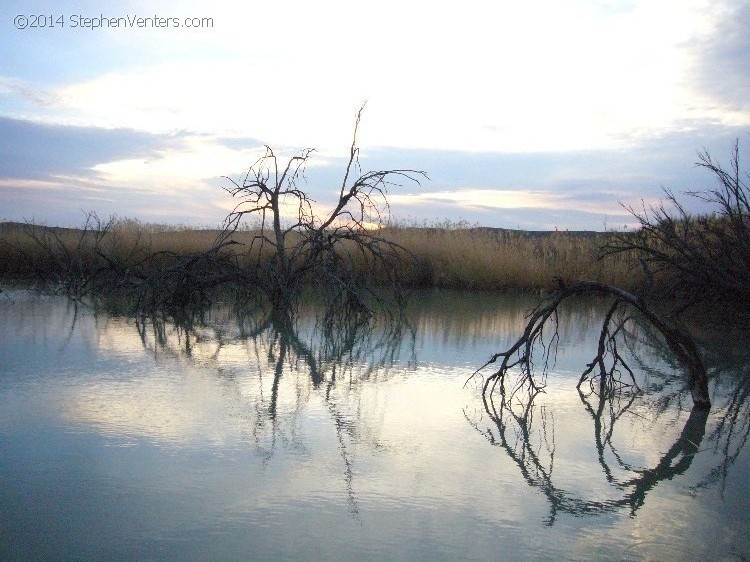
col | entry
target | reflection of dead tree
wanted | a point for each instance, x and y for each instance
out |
(608, 364)
(603, 378)
(331, 357)
(319, 358)
(530, 444)
(729, 378)
(608, 411)
(515, 431)
(355, 350)
(733, 430)
(516, 428)
(674, 462)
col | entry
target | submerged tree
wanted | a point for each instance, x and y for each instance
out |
(697, 259)
(296, 248)
(609, 370)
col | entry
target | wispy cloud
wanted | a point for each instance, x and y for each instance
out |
(482, 198)
(35, 95)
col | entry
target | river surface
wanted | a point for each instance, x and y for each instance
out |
(140, 439)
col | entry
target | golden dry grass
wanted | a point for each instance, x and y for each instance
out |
(445, 255)
(478, 258)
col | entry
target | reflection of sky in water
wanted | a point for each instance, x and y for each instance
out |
(116, 445)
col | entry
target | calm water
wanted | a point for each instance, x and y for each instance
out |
(133, 440)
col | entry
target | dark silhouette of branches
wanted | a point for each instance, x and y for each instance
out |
(279, 347)
(69, 257)
(605, 372)
(732, 432)
(292, 251)
(703, 259)
(527, 435)
(294, 247)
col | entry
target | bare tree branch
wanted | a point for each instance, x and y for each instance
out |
(520, 356)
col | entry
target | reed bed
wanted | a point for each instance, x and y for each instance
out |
(442, 256)
(496, 259)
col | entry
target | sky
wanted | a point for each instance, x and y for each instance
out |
(537, 115)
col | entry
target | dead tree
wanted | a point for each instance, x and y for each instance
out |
(69, 257)
(608, 367)
(702, 259)
(341, 254)
(330, 251)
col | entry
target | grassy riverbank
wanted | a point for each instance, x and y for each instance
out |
(446, 255)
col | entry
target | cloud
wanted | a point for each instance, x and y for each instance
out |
(722, 62)
(573, 190)
(526, 218)
(481, 78)
(535, 210)
(37, 150)
(54, 172)
(40, 97)
(64, 202)
(481, 198)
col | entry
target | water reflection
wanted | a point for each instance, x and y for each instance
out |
(289, 361)
(523, 425)
(229, 432)
(527, 435)
(729, 372)
(317, 357)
